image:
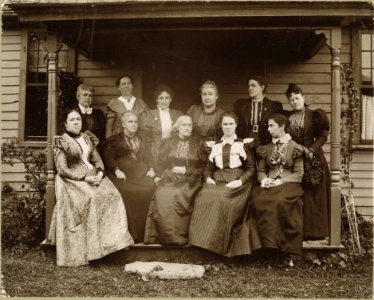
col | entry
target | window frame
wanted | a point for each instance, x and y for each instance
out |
(23, 85)
(359, 143)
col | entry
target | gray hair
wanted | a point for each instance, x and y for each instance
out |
(126, 115)
(210, 84)
(179, 121)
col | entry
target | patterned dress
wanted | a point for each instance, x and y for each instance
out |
(278, 210)
(220, 221)
(170, 210)
(88, 221)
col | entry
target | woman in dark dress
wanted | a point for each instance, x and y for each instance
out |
(130, 163)
(178, 173)
(277, 200)
(310, 128)
(206, 117)
(220, 221)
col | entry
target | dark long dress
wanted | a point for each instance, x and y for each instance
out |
(313, 134)
(138, 189)
(278, 210)
(170, 210)
(220, 221)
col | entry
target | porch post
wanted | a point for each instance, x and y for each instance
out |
(335, 205)
(50, 200)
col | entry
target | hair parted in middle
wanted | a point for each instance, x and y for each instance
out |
(179, 121)
(209, 83)
(162, 88)
(281, 120)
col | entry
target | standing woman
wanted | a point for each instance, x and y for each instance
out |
(206, 117)
(129, 163)
(220, 220)
(310, 128)
(179, 170)
(277, 202)
(253, 113)
(124, 103)
(89, 219)
(158, 122)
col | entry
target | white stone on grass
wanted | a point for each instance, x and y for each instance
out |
(165, 270)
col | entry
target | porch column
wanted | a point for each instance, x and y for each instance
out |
(335, 205)
(50, 199)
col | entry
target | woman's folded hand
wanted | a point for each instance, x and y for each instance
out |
(119, 174)
(235, 183)
(210, 181)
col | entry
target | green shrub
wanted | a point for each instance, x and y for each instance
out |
(23, 221)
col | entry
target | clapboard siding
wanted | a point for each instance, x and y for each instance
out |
(11, 50)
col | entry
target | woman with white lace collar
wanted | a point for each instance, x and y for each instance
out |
(220, 220)
(277, 198)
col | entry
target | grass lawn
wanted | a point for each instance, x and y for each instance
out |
(35, 275)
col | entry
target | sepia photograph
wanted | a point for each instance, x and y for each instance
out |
(187, 148)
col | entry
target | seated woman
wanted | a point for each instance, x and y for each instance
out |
(89, 220)
(129, 163)
(158, 122)
(179, 170)
(277, 202)
(220, 220)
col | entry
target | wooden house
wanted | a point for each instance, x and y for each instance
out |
(182, 44)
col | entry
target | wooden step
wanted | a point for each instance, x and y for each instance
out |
(183, 254)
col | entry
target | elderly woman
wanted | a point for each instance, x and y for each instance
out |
(129, 163)
(89, 220)
(179, 171)
(158, 122)
(124, 103)
(310, 128)
(253, 113)
(206, 117)
(277, 201)
(220, 220)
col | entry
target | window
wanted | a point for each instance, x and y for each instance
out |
(36, 88)
(34, 124)
(366, 86)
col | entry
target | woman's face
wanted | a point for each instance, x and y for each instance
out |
(125, 86)
(228, 126)
(209, 96)
(296, 101)
(163, 100)
(73, 122)
(84, 98)
(185, 128)
(255, 89)
(274, 129)
(130, 124)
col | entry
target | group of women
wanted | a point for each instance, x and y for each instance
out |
(228, 182)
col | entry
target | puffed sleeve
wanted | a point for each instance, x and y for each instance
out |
(110, 153)
(249, 163)
(321, 125)
(298, 167)
(163, 161)
(190, 110)
(263, 169)
(110, 119)
(95, 158)
(198, 168)
(61, 150)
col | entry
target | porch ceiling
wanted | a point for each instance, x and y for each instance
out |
(188, 46)
(296, 12)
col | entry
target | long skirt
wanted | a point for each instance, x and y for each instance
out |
(137, 192)
(88, 221)
(279, 216)
(220, 221)
(170, 210)
(316, 202)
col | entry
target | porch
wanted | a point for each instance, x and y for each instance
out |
(183, 44)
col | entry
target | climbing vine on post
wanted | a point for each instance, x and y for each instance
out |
(350, 119)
